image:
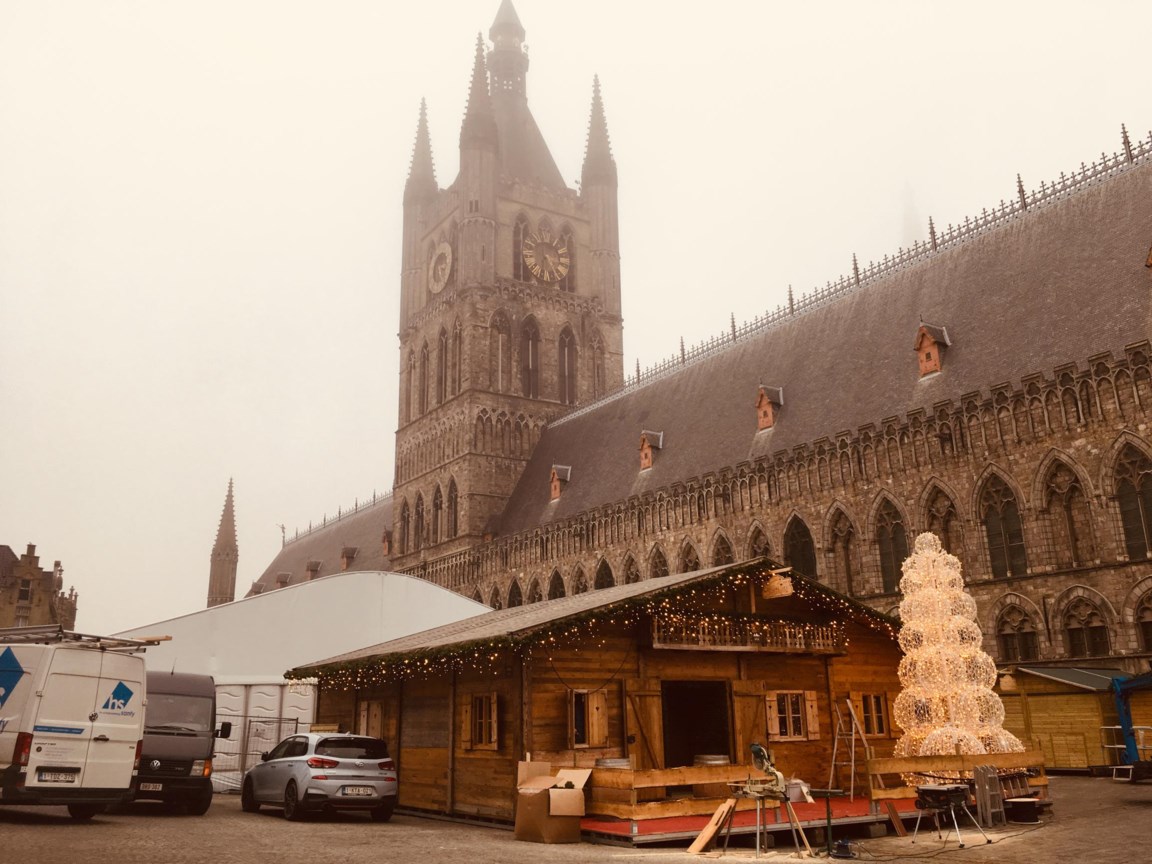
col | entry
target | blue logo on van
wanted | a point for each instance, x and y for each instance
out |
(10, 674)
(119, 699)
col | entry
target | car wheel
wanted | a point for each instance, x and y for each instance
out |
(248, 802)
(383, 811)
(293, 810)
(84, 812)
(198, 804)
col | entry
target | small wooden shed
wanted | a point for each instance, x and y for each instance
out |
(660, 686)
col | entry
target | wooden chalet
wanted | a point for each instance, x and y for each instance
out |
(656, 685)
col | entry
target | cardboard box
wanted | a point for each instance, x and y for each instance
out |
(544, 812)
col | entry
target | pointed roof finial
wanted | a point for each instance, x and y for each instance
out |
(479, 120)
(932, 233)
(791, 302)
(422, 172)
(226, 532)
(855, 270)
(1021, 193)
(1127, 142)
(506, 24)
(599, 166)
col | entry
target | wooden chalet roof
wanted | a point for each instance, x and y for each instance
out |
(512, 625)
(1099, 680)
(1056, 284)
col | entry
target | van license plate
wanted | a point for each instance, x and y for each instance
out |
(359, 791)
(56, 777)
(151, 787)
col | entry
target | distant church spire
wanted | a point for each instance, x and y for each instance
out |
(599, 166)
(479, 121)
(222, 575)
(422, 173)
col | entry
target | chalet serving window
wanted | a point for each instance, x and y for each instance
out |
(482, 722)
(587, 718)
(792, 715)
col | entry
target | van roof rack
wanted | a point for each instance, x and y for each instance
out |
(55, 633)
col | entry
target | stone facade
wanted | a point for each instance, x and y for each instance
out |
(30, 596)
(1012, 426)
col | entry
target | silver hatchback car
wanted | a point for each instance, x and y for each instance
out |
(323, 771)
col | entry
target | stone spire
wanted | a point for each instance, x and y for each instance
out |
(222, 574)
(508, 62)
(599, 166)
(421, 181)
(479, 121)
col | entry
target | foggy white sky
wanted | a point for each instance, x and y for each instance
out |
(200, 210)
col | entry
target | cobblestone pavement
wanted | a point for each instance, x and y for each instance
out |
(1093, 819)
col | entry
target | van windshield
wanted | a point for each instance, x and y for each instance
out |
(173, 714)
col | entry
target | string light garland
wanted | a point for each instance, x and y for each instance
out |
(947, 704)
(687, 607)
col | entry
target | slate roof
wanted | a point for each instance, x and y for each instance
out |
(1012, 299)
(523, 152)
(363, 529)
(1083, 678)
(520, 621)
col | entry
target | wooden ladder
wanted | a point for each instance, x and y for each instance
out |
(989, 796)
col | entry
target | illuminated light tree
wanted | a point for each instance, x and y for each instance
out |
(947, 704)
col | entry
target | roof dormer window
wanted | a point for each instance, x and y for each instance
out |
(769, 401)
(560, 476)
(931, 341)
(650, 442)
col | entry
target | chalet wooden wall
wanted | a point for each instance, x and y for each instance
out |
(1060, 720)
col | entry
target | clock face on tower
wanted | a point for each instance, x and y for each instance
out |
(546, 256)
(440, 268)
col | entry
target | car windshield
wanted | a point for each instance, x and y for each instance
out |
(352, 748)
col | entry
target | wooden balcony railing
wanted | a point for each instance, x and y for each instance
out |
(746, 633)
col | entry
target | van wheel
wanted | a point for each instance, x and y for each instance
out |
(248, 802)
(198, 804)
(293, 811)
(84, 812)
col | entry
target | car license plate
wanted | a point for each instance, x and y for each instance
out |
(56, 777)
(151, 787)
(359, 791)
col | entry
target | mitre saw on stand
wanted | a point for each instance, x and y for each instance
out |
(772, 788)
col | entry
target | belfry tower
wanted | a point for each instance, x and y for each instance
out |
(509, 304)
(222, 575)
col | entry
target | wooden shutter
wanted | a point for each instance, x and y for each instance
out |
(494, 721)
(466, 724)
(813, 711)
(597, 702)
(750, 713)
(773, 717)
(857, 700)
(894, 728)
(376, 719)
(645, 722)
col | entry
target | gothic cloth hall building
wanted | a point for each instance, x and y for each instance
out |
(992, 384)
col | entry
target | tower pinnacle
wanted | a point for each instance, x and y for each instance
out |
(422, 172)
(222, 573)
(599, 166)
(479, 121)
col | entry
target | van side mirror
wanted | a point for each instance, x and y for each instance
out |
(263, 757)
(225, 730)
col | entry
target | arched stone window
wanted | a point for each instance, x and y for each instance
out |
(579, 581)
(631, 571)
(555, 586)
(844, 552)
(943, 523)
(1003, 529)
(799, 550)
(892, 540)
(410, 387)
(566, 367)
(402, 536)
(476, 596)
(457, 356)
(519, 235)
(1068, 517)
(418, 525)
(530, 359)
(604, 577)
(599, 379)
(515, 596)
(423, 396)
(657, 564)
(568, 240)
(689, 559)
(442, 367)
(535, 595)
(722, 551)
(1016, 636)
(758, 544)
(1085, 631)
(500, 353)
(1134, 494)
(1144, 622)
(494, 600)
(453, 527)
(437, 514)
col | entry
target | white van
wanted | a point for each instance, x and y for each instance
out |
(71, 718)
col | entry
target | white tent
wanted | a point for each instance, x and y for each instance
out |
(249, 644)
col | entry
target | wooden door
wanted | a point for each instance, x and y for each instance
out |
(643, 705)
(749, 719)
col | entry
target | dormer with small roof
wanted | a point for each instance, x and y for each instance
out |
(650, 442)
(560, 476)
(769, 401)
(931, 342)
